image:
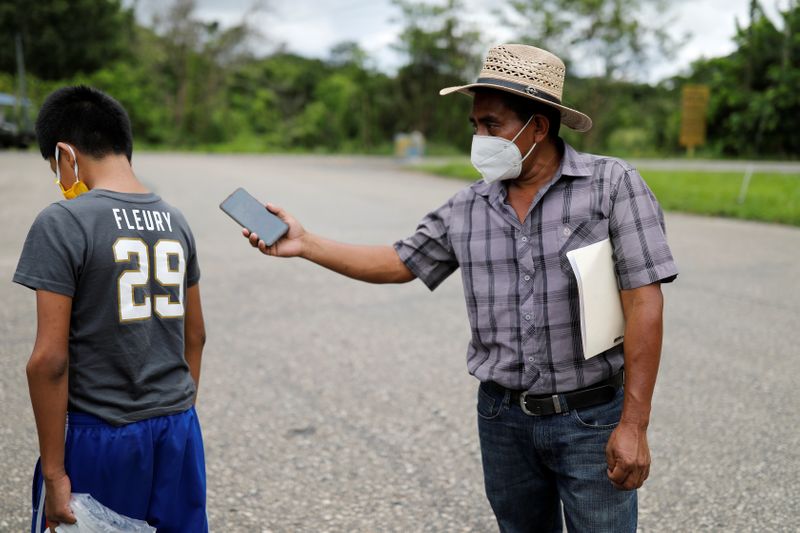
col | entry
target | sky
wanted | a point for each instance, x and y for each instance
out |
(312, 27)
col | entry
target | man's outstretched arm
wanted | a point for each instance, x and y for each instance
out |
(373, 264)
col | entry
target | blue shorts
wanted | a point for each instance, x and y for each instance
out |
(153, 470)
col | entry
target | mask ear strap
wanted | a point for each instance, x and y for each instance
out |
(58, 169)
(75, 168)
(529, 151)
(523, 128)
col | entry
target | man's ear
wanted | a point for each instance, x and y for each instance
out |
(541, 126)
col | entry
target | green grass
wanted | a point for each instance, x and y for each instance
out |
(452, 169)
(770, 197)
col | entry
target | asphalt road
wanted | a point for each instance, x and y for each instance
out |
(330, 405)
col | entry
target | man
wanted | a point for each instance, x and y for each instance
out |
(120, 329)
(555, 427)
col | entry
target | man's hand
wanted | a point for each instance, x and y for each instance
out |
(56, 501)
(628, 456)
(290, 245)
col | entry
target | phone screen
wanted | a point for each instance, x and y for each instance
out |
(251, 214)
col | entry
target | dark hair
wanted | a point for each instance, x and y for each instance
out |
(524, 108)
(89, 119)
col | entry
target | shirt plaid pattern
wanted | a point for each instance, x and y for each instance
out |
(521, 295)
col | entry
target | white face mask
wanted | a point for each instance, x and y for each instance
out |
(497, 158)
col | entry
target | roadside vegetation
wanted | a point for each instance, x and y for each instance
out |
(194, 84)
(769, 197)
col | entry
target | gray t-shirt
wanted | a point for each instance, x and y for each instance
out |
(126, 261)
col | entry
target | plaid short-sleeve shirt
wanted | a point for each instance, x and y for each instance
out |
(521, 294)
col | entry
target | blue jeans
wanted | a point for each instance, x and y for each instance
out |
(534, 464)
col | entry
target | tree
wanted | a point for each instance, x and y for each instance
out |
(612, 41)
(441, 51)
(195, 60)
(622, 35)
(62, 38)
(754, 107)
(348, 53)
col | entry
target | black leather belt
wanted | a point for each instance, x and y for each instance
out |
(551, 404)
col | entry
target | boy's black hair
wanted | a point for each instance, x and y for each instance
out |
(86, 118)
(524, 108)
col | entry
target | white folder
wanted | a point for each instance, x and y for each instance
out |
(602, 320)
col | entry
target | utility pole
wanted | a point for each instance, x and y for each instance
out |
(751, 44)
(22, 109)
(787, 35)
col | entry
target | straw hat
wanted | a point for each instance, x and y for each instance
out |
(530, 72)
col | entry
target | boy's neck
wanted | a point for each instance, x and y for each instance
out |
(113, 173)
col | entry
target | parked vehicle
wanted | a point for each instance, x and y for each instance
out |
(15, 130)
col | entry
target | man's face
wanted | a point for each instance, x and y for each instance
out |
(491, 116)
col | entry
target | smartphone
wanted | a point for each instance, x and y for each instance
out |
(251, 214)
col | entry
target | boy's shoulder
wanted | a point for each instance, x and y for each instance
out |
(56, 213)
(71, 208)
(78, 211)
(101, 201)
(99, 215)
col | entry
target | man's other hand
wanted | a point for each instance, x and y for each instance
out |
(628, 456)
(56, 501)
(290, 245)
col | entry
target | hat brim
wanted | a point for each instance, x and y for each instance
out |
(571, 118)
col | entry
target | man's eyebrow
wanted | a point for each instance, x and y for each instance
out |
(488, 117)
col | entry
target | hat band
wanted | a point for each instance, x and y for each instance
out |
(527, 89)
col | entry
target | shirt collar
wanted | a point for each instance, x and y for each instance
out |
(574, 164)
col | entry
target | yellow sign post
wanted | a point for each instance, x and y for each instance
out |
(693, 116)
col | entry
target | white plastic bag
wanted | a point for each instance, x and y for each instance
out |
(94, 517)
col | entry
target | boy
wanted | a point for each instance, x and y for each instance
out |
(114, 371)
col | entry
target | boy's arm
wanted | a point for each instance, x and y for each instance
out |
(47, 382)
(373, 264)
(194, 333)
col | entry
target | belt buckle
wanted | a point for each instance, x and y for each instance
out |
(524, 406)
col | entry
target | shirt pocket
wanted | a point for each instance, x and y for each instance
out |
(578, 233)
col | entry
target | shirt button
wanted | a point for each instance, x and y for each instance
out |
(524, 239)
(527, 317)
(527, 278)
(530, 359)
(567, 231)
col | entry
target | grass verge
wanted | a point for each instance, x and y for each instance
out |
(771, 197)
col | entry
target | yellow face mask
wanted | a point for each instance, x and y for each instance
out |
(78, 187)
(76, 190)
